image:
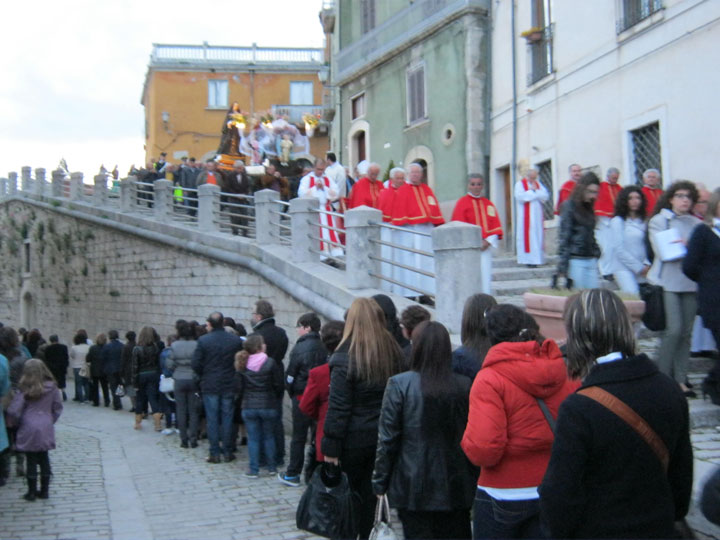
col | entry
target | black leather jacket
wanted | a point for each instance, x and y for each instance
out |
(261, 389)
(353, 409)
(420, 465)
(576, 238)
(308, 352)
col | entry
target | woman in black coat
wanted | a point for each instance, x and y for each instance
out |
(604, 480)
(419, 463)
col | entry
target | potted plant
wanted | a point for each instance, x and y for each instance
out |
(534, 34)
(547, 307)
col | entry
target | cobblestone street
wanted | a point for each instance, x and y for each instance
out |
(113, 482)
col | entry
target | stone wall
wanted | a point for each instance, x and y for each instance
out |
(87, 276)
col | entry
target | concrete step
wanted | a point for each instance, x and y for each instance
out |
(516, 287)
(505, 261)
(518, 273)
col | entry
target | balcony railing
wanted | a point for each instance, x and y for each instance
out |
(164, 54)
(633, 11)
(540, 53)
(294, 113)
(402, 28)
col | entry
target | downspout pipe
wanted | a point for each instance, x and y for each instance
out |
(513, 165)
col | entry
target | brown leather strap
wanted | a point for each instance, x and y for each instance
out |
(633, 419)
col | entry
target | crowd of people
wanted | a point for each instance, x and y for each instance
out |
(504, 437)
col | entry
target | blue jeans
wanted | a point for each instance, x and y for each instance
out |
(493, 518)
(81, 392)
(219, 410)
(260, 425)
(583, 272)
(148, 391)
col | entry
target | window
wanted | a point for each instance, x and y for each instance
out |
(368, 15)
(540, 42)
(358, 106)
(545, 178)
(645, 150)
(301, 93)
(217, 94)
(416, 94)
(632, 12)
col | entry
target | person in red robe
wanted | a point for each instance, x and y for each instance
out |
(605, 211)
(651, 188)
(386, 202)
(566, 189)
(475, 209)
(416, 209)
(367, 190)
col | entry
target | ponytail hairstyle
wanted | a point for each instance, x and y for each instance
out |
(253, 344)
(34, 376)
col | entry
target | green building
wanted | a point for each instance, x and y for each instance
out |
(409, 81)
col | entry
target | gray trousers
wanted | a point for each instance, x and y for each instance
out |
(187, 409)
(680, 310)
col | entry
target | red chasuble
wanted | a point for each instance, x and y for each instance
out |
(415, 205)
(651, 195)
(565, 192)
(605, 203)
(386, 201)
(478, 211)
(365, 192)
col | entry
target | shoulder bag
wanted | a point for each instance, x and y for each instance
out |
(652, 295)
(382, 530)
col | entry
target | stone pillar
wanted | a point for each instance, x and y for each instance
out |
(264, 204)
(76, 186)
(39, 182)
(359, 246)
(127, 191)
(100, 191)
(12, 184)
(58, 178)
(206, 205)
(26, 179)
(457, 248)
(163, 198)
(301, 210)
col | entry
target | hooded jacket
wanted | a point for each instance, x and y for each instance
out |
(507, 433)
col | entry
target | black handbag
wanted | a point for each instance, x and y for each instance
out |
(654, 316)
(328, 507)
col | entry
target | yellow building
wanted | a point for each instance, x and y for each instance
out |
(189, 88)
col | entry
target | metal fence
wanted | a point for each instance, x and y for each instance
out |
(634, 11)
(331, 250)
(234, 213)
(281, 222)
(646, 150)
(143, 196)
(540, 54)
(184, 205)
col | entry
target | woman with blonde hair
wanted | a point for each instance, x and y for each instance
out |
(366, 358)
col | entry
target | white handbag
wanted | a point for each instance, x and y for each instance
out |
(382, 530)
(167, 384)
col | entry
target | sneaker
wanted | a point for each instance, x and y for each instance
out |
(250, 474)
(292, 481)
(168, 431)
(272, 472)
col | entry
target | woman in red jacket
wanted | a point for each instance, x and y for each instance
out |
(508, 434)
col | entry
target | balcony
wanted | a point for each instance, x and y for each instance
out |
(407, 26)
(294, 113)
(208, 54)
(634, 11)
(540, 51)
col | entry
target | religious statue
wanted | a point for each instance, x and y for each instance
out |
(286, 146)
(231, 131)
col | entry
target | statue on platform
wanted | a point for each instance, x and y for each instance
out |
(286, 146)
(232, 131)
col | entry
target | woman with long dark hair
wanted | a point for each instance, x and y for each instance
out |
(359, 369)
(604, 480)
(419, 463)
(508, 434)
(146, 376)
(673, 211)
(627, 239)
(468, 358)
(577, 249)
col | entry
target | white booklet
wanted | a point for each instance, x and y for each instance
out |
(669, 245)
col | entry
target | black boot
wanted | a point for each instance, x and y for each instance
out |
(44, 492)
(19, 464)
(32, 489)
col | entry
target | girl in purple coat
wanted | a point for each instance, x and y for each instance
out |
(34, 411)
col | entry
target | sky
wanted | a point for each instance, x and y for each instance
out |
(73, 70)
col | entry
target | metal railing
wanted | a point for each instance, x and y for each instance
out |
(540, 56)
(184, 204)
(388, 257)
(282, 223)
(294, 113)
(234, 213)
(143, 196)
(634, 11)
(164, 54)
(332, 254)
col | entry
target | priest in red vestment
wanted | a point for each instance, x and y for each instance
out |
(475, 209)
(566, 189)
(651, 189)
(366, 191)
(604, 211)
(416, 209)
(386, 202)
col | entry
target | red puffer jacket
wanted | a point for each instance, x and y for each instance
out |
(507, 434)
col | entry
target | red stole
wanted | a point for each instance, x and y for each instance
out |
(526, 218)
(478, 211)
(605, 203)
(565, 192)
(386, 201)
(365, 192)
(651, 195)
(415, 205)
